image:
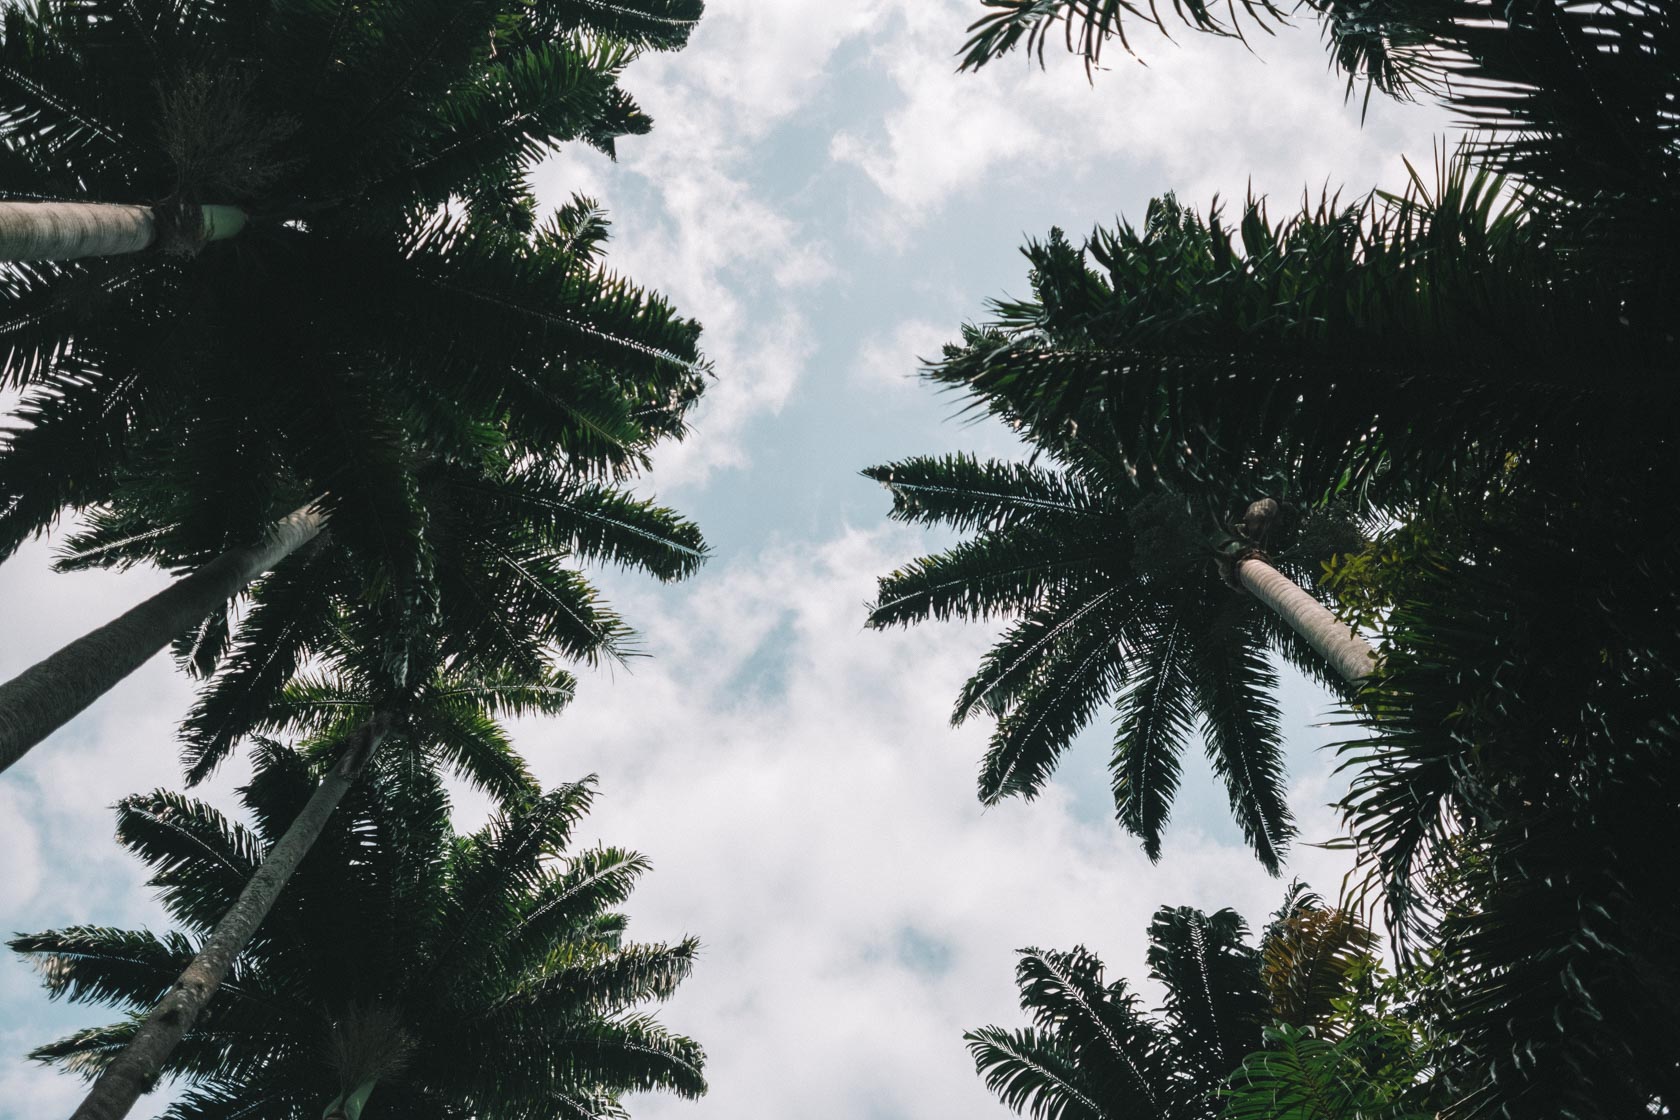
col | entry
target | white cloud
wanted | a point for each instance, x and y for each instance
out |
(1205, 114)
(691, 222)
(811, 816)
(890, 360)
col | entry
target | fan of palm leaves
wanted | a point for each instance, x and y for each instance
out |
(490, 587)
(1521, 772)
(408, 970)
(1092, 1054)
(1115, 595)
(1434, 333)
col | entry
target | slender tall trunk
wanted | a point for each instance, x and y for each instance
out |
(1348, 653)
(136, 1068)
(45, 696)
(57, 231)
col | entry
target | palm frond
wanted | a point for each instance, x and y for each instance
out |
(1215, 1003)
(1034, 1073)
(1152, 719)
(1234, 686)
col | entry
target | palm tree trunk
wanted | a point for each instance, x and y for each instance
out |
(1348, 653)
(45, 696)
(135, 1069)
(57, 231)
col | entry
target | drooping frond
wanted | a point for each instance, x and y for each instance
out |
(1215, 1003)
(201, 859)
(1153, 718)
(1086, 25)
(89, 964)
(966, 494)
(1033, 1072)
(1235, 686)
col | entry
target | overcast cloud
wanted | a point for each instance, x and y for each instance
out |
(831, 201)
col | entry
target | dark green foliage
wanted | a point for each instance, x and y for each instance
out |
(1362, 1075)
(1310, 957)
(1115, 595)
(1092, 1054)
(483, 600)
(391, 295)
(479, 975)
(1433, 332)
(1524, 771)
(1086, 25)
(1501, 377)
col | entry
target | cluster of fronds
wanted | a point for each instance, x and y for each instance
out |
(484, 974)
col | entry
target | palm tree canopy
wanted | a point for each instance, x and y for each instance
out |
(392, 287)
(1114, 597)
(488, 592)
(482, 975)
(1093, 1054)
(1434, 332)
(1347, 1050)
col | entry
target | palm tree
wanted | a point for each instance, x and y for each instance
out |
(448, 715)
(500, 599)
(406, 972)
(1520, 774)
(56, 231)
(381, 161)
(498, 587)
(1434, 333)
(1113, 585)
(1500, 371)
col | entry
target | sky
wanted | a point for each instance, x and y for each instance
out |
(832, 201)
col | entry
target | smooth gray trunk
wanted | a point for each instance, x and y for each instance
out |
(136, 1068)
(48, 694)
(1348, 653)
(58, 231)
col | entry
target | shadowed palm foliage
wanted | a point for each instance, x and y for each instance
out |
(1338, 1046)
(1524, 769)
(482, 975)
(428, 673)
(1369, 1073)
(1533, 656)
(1433, 332)
(1503, 386)
(1309, 957)
(390, 297)
(492, 585)
(391, 285)
(1575, 98)
(1092, 1054)
(1115, 594)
